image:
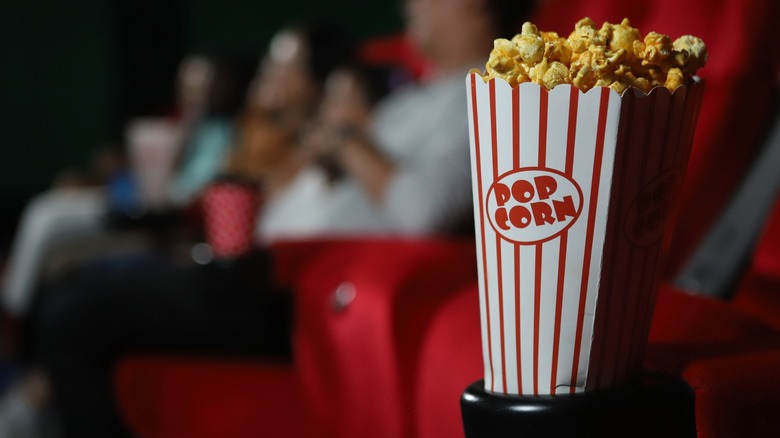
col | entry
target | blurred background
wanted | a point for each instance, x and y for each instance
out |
(72, 73)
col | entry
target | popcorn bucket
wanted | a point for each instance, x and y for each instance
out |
(230, 209)
(573, 194)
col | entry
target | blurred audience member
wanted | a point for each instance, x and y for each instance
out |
(314, 190)
(208, 92)
(283, 98)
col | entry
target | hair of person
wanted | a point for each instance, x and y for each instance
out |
(508, 15)
(232, 75)
(329, 46)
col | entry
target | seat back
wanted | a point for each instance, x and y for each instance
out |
(361, 310)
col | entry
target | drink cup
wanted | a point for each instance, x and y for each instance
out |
(154, 146)
(230, 212)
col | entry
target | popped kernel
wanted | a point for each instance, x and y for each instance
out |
(690, 53)
(615, 56)
(674, 78)
(504, 62)
(556, 73)
(556, 48)
(584, 36)
(621, 36)
(595, 64)
(530, 44)
(654, 50)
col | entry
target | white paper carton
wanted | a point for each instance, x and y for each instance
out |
(573, 194)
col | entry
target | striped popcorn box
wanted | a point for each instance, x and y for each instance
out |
(230, 209)
(573, 194)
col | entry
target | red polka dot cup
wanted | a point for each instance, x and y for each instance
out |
(230, 212)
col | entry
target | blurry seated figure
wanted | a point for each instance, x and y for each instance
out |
(310, 203)
(173, 158)
(351, 94)
(52, 218)
(184, 154)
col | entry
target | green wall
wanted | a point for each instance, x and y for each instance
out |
(247, 24)
(55, 88)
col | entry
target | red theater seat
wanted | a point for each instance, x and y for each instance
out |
(164, 397)
(736, 396)
(361, 309)
(358, 365)
(454, 333)
(759, 292)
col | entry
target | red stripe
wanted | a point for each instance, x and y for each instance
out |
(602, 123)
(516, 165)
(681, 129)
(517, 320)
(501, 314)
(644, 319)
(571, 135)
(538, 286)
(482, 225)
(516, 127)
(537, 311)
(494, 140)
(492, 88)
(558, 310)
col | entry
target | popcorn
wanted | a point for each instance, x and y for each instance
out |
(690, 53)
(596, 67)
(556, 48)
(655, 50)
(621, 36)
(530, 44)
(584, 36)
(504, 62)
(615, 56)
(557, 73)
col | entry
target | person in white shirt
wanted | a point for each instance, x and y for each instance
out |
(417, 138)
(407, 172)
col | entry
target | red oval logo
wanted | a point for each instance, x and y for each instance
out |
(533, 204)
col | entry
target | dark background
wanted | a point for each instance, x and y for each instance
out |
(71, 73)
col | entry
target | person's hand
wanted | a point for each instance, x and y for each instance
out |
(322, 144)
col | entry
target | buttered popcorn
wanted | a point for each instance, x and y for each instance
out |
(615, 56)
